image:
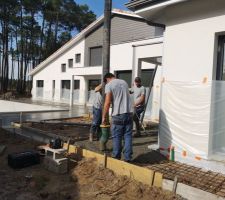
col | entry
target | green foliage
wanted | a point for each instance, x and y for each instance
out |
(30, 31)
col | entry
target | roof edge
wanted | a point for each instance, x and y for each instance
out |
(79, 37)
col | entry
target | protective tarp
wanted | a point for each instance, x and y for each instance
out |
(152, 109)
(192, 119)
(185, 117)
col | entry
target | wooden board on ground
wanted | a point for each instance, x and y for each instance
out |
(141, 174)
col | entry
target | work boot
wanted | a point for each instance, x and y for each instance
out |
(91, 137)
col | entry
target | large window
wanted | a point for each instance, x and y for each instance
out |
(93, 84)
(40, 83)
(76, 84)
(63, 68)
(220, 75)
(70, 63)
(146, 77)
(95, 56)
(125, 75)
(77, 58)
(65, 84)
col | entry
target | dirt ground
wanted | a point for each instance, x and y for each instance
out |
(75, 133)
(85, 181)
(98, 183)
(79, 135)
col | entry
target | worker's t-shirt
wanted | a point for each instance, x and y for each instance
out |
(138, 92)
(97, 103)
(121, 102)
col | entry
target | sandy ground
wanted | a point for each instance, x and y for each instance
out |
(98, 183)
(84, 181)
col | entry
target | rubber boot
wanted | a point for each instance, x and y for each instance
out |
(105, 131)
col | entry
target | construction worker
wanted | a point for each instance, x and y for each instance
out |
(139, 93)
(97, 114)
(117, 93)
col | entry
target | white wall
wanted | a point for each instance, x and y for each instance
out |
(53, 72)
(122, 54)
(190, 39)
(190, 48)
(122, 58)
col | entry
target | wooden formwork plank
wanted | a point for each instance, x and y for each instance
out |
(90, 154)
(137, 173)
(158, 178)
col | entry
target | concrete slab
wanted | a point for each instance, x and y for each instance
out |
(15, 107)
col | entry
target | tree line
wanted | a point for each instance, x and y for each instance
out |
(30, 31)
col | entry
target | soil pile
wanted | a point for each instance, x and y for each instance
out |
(99, 183)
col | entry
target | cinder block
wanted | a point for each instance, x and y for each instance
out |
(59, 166)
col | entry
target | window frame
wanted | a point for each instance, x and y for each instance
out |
(91, 48)
(63, 70)
(76, 84)
(220, 57)
(119, 72)
(78, 55)
(70, 64)
(40, 81)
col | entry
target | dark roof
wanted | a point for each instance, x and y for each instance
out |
(138, 4)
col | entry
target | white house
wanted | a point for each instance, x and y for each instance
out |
(71, 73)
(192, 111)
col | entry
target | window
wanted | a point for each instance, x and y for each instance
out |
(220, 74)
(125, 75)
(78, 58)
(95, 56)
(65, 84)
(40, 83)
(146, 77)
(76, 84)
(93, 84)
(63, 67)
(70, 63)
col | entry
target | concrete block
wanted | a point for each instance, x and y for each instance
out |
(167, 185)
(191, 193)
(59, 166)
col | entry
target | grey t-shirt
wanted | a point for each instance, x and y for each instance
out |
(121, 102)
(138, 92)
(97, 103)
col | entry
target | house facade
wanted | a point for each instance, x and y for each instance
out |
(192, 110)
(71, 73)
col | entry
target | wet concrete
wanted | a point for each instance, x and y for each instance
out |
(7, 118)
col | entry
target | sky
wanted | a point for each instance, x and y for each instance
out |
(97, 6)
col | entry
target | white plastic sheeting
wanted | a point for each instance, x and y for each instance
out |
(152, 109)
(192, 119)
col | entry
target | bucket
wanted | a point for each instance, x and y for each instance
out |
(105, 131)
